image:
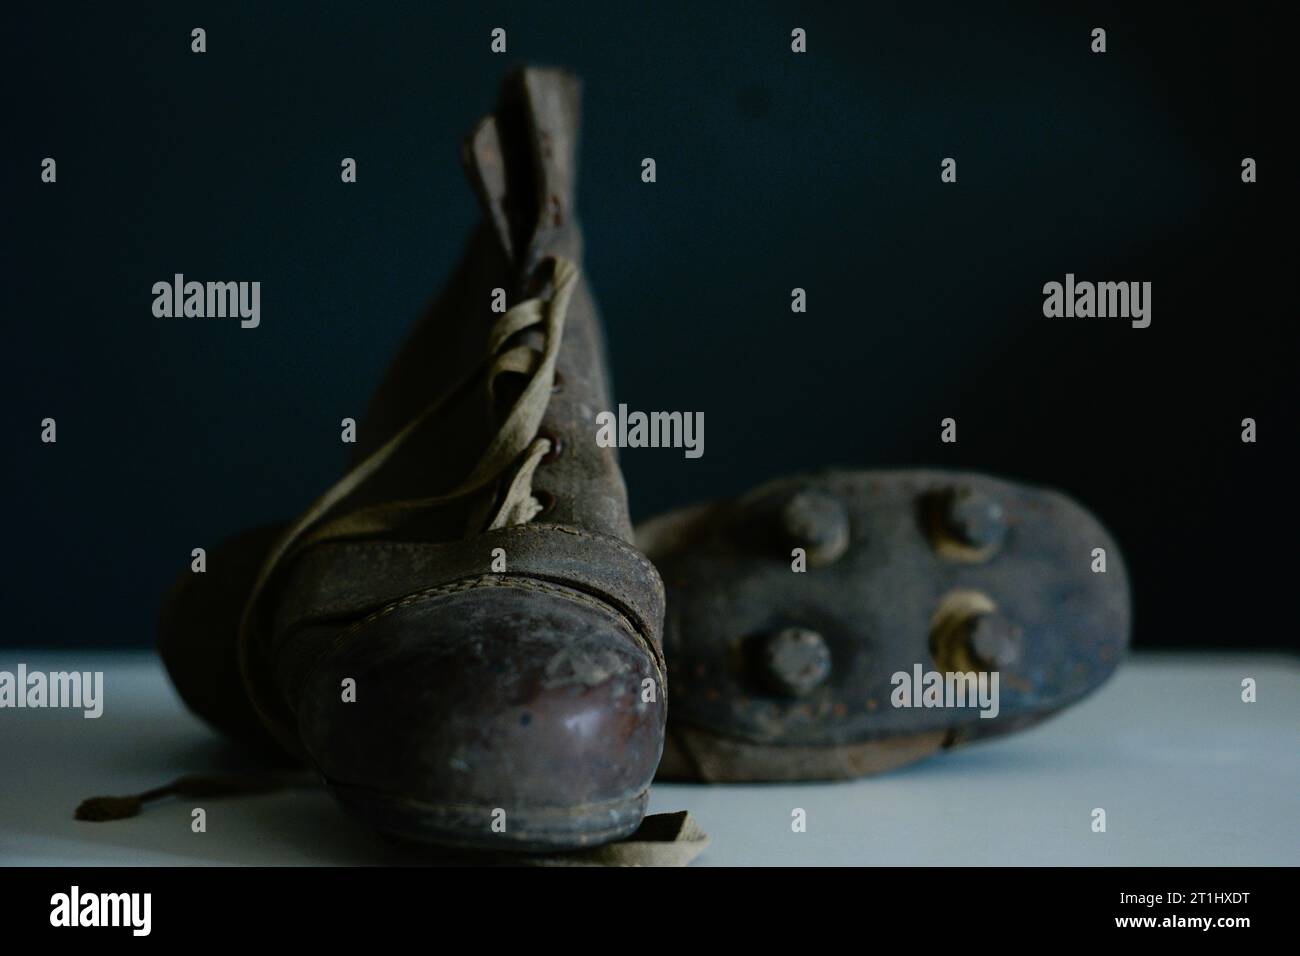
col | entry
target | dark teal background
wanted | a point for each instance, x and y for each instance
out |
(774, 171)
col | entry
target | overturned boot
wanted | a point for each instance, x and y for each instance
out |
(844, 623)
(458, 635)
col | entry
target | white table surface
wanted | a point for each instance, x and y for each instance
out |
(1187, 773)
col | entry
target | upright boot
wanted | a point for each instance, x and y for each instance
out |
(459, 635)
(843, 623)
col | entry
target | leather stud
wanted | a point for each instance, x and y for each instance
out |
(976, 519)
(818, 522)
(795, 661)
(994, 641)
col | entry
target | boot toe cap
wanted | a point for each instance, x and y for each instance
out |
(519, 714)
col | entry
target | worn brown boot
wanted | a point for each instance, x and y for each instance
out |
(843, 623)
(459, 635)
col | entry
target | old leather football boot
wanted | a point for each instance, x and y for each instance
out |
(458, 635)
(844, 623)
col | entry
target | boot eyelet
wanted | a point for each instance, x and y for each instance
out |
(546, 500)
(557, 447)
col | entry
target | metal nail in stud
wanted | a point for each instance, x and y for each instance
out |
(818, 522)
(795, 661)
